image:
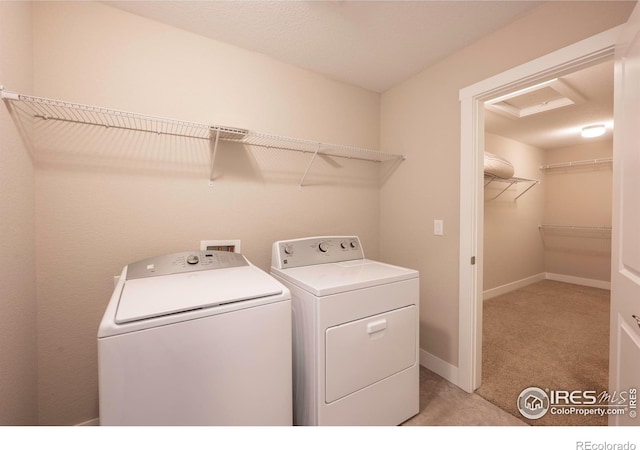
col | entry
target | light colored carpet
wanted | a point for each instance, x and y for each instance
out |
(550, 335)
(445, 404)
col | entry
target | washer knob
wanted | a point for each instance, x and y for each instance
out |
(323, 247)
(288, 249)
(193, 259)
(344, 245)
(354, 244)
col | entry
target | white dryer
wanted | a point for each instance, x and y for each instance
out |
(196, 338)
(355, 333)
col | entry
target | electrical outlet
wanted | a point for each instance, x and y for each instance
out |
(438, 227)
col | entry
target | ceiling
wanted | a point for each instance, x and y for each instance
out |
(379, 44)
(371, 44)
(561, 127)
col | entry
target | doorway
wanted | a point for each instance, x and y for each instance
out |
(547, 241)
(583, 54)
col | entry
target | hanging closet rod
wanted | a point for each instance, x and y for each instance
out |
(586, 162)
(573, 227)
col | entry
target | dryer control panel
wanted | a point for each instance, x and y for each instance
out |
(315, 250)
(184, 262)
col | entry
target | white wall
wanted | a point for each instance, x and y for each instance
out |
(422, 118)
(18, 306)
(105, 198)
(513, 247)
(580, 196)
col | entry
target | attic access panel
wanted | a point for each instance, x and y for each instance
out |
(536, 99)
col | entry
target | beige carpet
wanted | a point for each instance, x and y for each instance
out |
(444, 403)
(549, 335)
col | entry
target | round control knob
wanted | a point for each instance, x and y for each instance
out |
(323, 247)
(354, 244)
(288, 249)
(344, 245)
(193, 259)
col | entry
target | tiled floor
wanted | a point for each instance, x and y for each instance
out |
(443, 403)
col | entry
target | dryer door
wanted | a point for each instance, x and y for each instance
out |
(365, 351)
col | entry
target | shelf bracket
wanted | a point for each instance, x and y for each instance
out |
(214, 149)
(523, 192)
(309, 166)
(510, 182)
(505, 189)
(6, 95)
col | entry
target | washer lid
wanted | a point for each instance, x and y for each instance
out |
(144, 298)
(333, 278)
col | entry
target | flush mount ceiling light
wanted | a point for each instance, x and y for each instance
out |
(593, 131)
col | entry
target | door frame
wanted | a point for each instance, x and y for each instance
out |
(585, 53)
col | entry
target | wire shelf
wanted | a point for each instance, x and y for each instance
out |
(575, 228)
(510, 182)
(307, 146)
(582, 163)
(49, 109)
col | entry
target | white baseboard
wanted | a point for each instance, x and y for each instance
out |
(581, 281)
(490, 293)
(447, 371)
(90, 423)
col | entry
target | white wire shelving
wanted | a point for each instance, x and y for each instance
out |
(50, 109)
(582, 163)
(595, 229)
(488, 179)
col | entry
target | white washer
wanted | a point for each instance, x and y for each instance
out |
(196, 338)
(355, 333)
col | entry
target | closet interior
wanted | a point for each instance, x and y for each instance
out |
(547, 239)
(550, 214)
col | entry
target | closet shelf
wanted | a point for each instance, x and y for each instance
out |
(510, 182)
(574, 228)
(586, 162)
(49, 109)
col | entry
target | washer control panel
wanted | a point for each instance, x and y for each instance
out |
(184, 262)
(315, 250)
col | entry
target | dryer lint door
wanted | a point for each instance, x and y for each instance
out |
(365, 351)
